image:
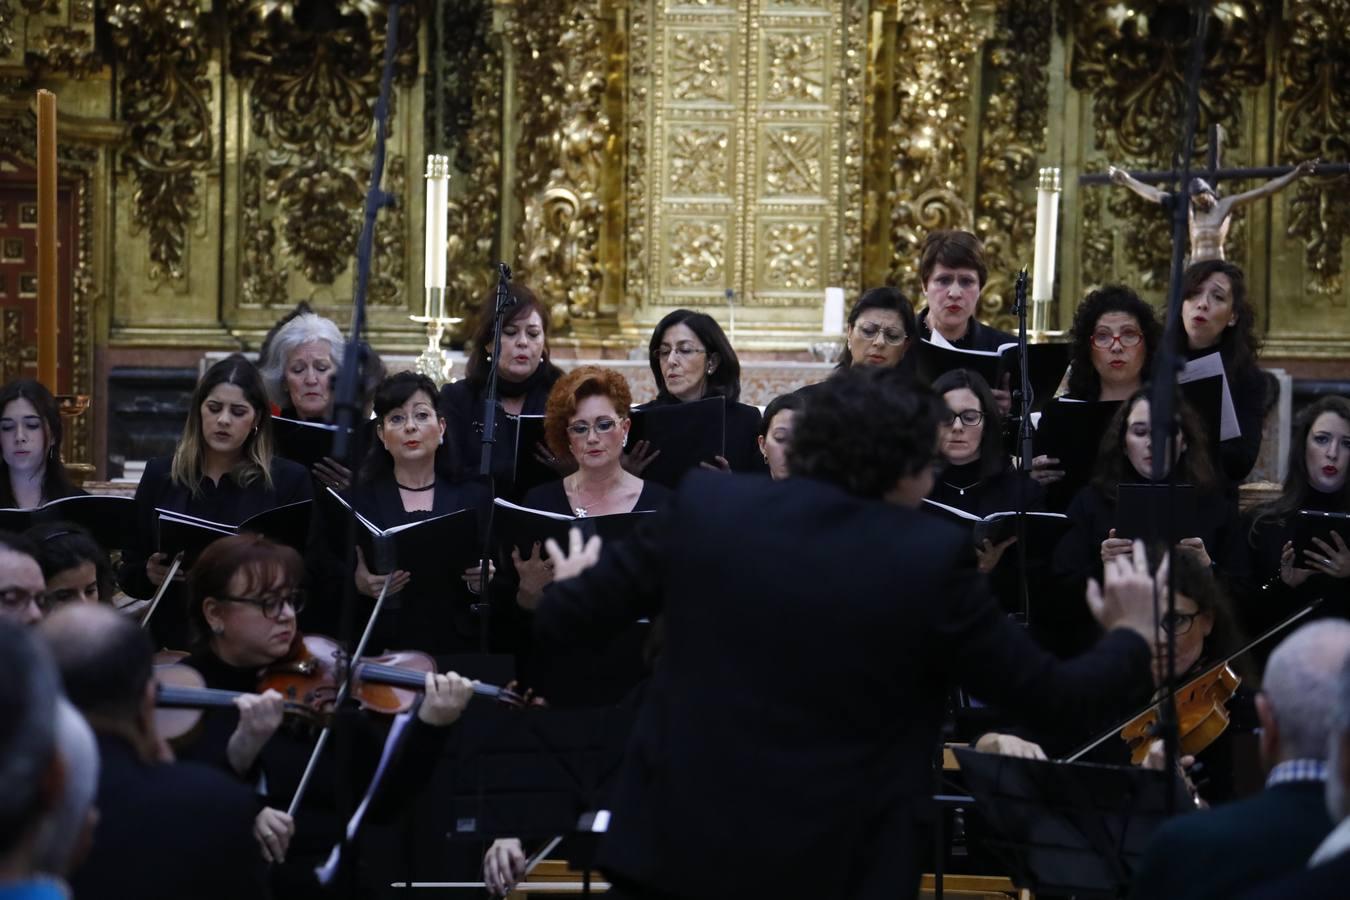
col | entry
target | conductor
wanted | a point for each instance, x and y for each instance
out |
(813, 627)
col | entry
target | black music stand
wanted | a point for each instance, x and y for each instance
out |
(1075, 829)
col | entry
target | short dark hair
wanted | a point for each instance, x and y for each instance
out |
(29, 687)
(955, 250)
(104, 658)
(1239, 344)
(792, 401)
(864, 430)
(392, 393)
(992, 458)
(259, 558)
(1195, 467)
(476, 368)
(881, 298)
(55, 482)
(725, 379)
(62, 546)
(1084, 381)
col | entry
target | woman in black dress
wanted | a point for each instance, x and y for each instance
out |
(31, 470)
(692, 359)
(524, 377)
(223, 470)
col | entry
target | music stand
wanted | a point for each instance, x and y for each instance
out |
(1075, 829)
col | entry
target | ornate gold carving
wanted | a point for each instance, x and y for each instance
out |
(698, 254)
(934, 46)
(794, 162)
(387, 276)
(698, 160)
(262, 284)
(637, 197)
(44, 37)
(1096, 249)
(795, 67)
(7, 32)
(1012, 128)
(1314, 122)
(563, 157)
(700, 66)
(164, 90)
(792, 259)
(851, 161)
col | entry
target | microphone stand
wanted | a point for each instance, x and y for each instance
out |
(1163, 400)
(348, 405)
(504, 302)
(1023, 442)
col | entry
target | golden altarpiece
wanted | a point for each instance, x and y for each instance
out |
(631, 156)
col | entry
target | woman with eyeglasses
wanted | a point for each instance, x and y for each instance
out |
(976, 475)
(245, 598)
(223, 470)
(1114, 337)
(31, 470)
(881, 329)
(1126, 457)
(691, 359)
(409, 474)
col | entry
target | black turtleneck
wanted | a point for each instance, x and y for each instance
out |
(461, 403)
(963, 487)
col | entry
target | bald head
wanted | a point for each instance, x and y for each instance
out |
(104, 659)
(1301, 683)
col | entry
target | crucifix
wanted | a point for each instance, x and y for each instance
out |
(1210, 215)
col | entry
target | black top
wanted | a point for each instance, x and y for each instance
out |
(1236, 457)
(552, 497)
(1325, 881)
(169, 831)
(227, 502)
(786, 665)
(462, 407)
(984, 496)
(978, 336)
(432, 617)
(741, 435)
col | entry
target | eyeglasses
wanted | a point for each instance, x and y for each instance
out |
(271, 604)
(19, 598)
(969, 417)
(1103, 339)
(1178, 623)
(601, 426)
(683, 351)
(870, 330)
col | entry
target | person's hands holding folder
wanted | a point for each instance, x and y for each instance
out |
(1196, 548)
(639, 458)
(562, 466)
(1334, 561)
(1113, 547)
(157, 569)
(332, 474)
(473, 577)
(1045, 470)
(989, 554)
(1290, 574)
(371, 585)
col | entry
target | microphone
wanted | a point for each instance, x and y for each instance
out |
(505, 299)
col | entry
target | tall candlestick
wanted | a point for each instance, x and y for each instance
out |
(437, 233)
(1043, 264)
(46, 239)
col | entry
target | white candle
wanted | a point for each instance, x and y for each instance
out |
(1047, 227)
(834, 311)
(437, 231)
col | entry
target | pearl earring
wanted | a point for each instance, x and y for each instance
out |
(217, 629)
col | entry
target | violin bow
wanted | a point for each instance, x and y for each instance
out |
(1265, 636)
(163, 588)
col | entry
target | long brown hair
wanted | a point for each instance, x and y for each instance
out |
(1194, 466)
(255, 463)
(1297, 485)
(476, 368)
(55, 482)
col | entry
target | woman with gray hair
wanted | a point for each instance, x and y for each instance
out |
(297, 365)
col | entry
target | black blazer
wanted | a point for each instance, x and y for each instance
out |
(461, 405)
(1218, 852)
(227, 502)
(786, 739)
(169, 831)
(1322, 882)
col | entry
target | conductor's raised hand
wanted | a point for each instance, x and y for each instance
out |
(581, 555)
(535, 574)
(1126, 598)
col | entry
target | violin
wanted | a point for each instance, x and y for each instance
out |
(1201, 710)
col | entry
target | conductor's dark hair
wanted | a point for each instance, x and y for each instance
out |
(263, 562)
(29, 686)
(725, 379)
(1084, 381)
(1240, 345)
(105, 659)
(62, 546)
(791, 401)
(992, 458)
(392, 393)
(864, 430)
(55, 482)
(1195, 466)
(889, 298)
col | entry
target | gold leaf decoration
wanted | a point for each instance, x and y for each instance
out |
(262, 284)
(698, 254)
(793, 255)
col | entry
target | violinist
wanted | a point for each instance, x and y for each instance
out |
(1319, 457)
(1218, 852)
(31, 470)
(246, 594)
(223, 470)
(165, 829)
(409, 474)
